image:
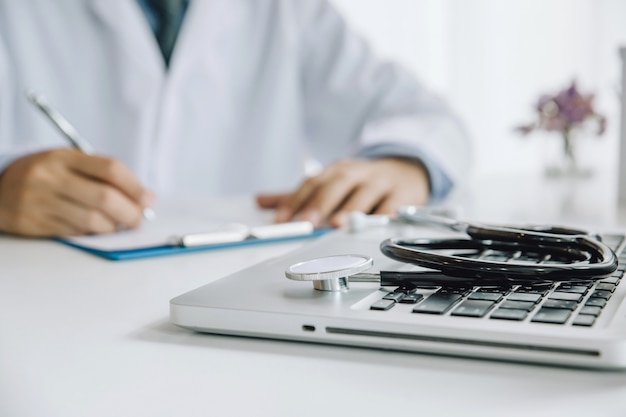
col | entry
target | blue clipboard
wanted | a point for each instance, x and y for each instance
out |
(164, 250)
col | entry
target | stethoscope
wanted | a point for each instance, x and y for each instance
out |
(529, 255)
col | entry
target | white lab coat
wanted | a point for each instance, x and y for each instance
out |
(254, 87)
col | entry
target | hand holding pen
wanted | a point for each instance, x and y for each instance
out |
(62, 192)
(71, 134)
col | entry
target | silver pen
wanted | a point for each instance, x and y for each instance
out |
(71, 134)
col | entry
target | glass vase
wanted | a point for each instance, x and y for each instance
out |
(568, 165)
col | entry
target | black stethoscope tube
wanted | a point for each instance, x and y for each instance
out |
(568, 254)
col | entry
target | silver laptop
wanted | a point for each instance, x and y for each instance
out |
(567, 323)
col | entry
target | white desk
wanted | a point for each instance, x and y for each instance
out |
(84, 337)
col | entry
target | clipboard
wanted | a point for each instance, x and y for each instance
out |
(163, 250)
(163, 238)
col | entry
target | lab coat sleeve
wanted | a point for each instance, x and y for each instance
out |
(5, 83)
(10, 148)
(365, 107)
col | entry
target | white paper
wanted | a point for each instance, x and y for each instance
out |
(187, 230)
(158, 232)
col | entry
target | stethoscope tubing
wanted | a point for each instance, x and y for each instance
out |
(585, 256)
(601, 261)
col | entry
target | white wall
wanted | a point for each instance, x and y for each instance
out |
(492, 59)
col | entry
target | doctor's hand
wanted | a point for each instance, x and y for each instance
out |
(376, 186)
(64, 192)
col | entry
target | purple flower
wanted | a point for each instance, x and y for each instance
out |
(565, 111)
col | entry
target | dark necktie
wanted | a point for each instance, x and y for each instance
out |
(170, 14)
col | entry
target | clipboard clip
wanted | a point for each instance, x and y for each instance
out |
(237, 232)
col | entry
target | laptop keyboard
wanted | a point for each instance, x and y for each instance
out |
(578, 303)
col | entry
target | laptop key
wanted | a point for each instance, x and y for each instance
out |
(473, 308)
(578, 289)
(395, 296)
(494, 289)
(551, 315)
(437, 303)
(584, 320)
(605, 286)
(590, 310)
(596, 302)
(566, 296)
(582, 283)
(601, 294)
(487, 296)
(534, 289)
(531, 297)
(569, 305)
(509, 314)
(610, 280)
(382, 305)
(455, 290)
(518, 305)
(412, 298)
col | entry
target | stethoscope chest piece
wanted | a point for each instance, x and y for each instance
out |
(329, 273)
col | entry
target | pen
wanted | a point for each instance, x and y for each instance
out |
(71, 134)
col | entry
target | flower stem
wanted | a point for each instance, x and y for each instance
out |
(569, 150)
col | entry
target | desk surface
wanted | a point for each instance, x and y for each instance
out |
(83, 336)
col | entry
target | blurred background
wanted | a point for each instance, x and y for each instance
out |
(493, 59)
